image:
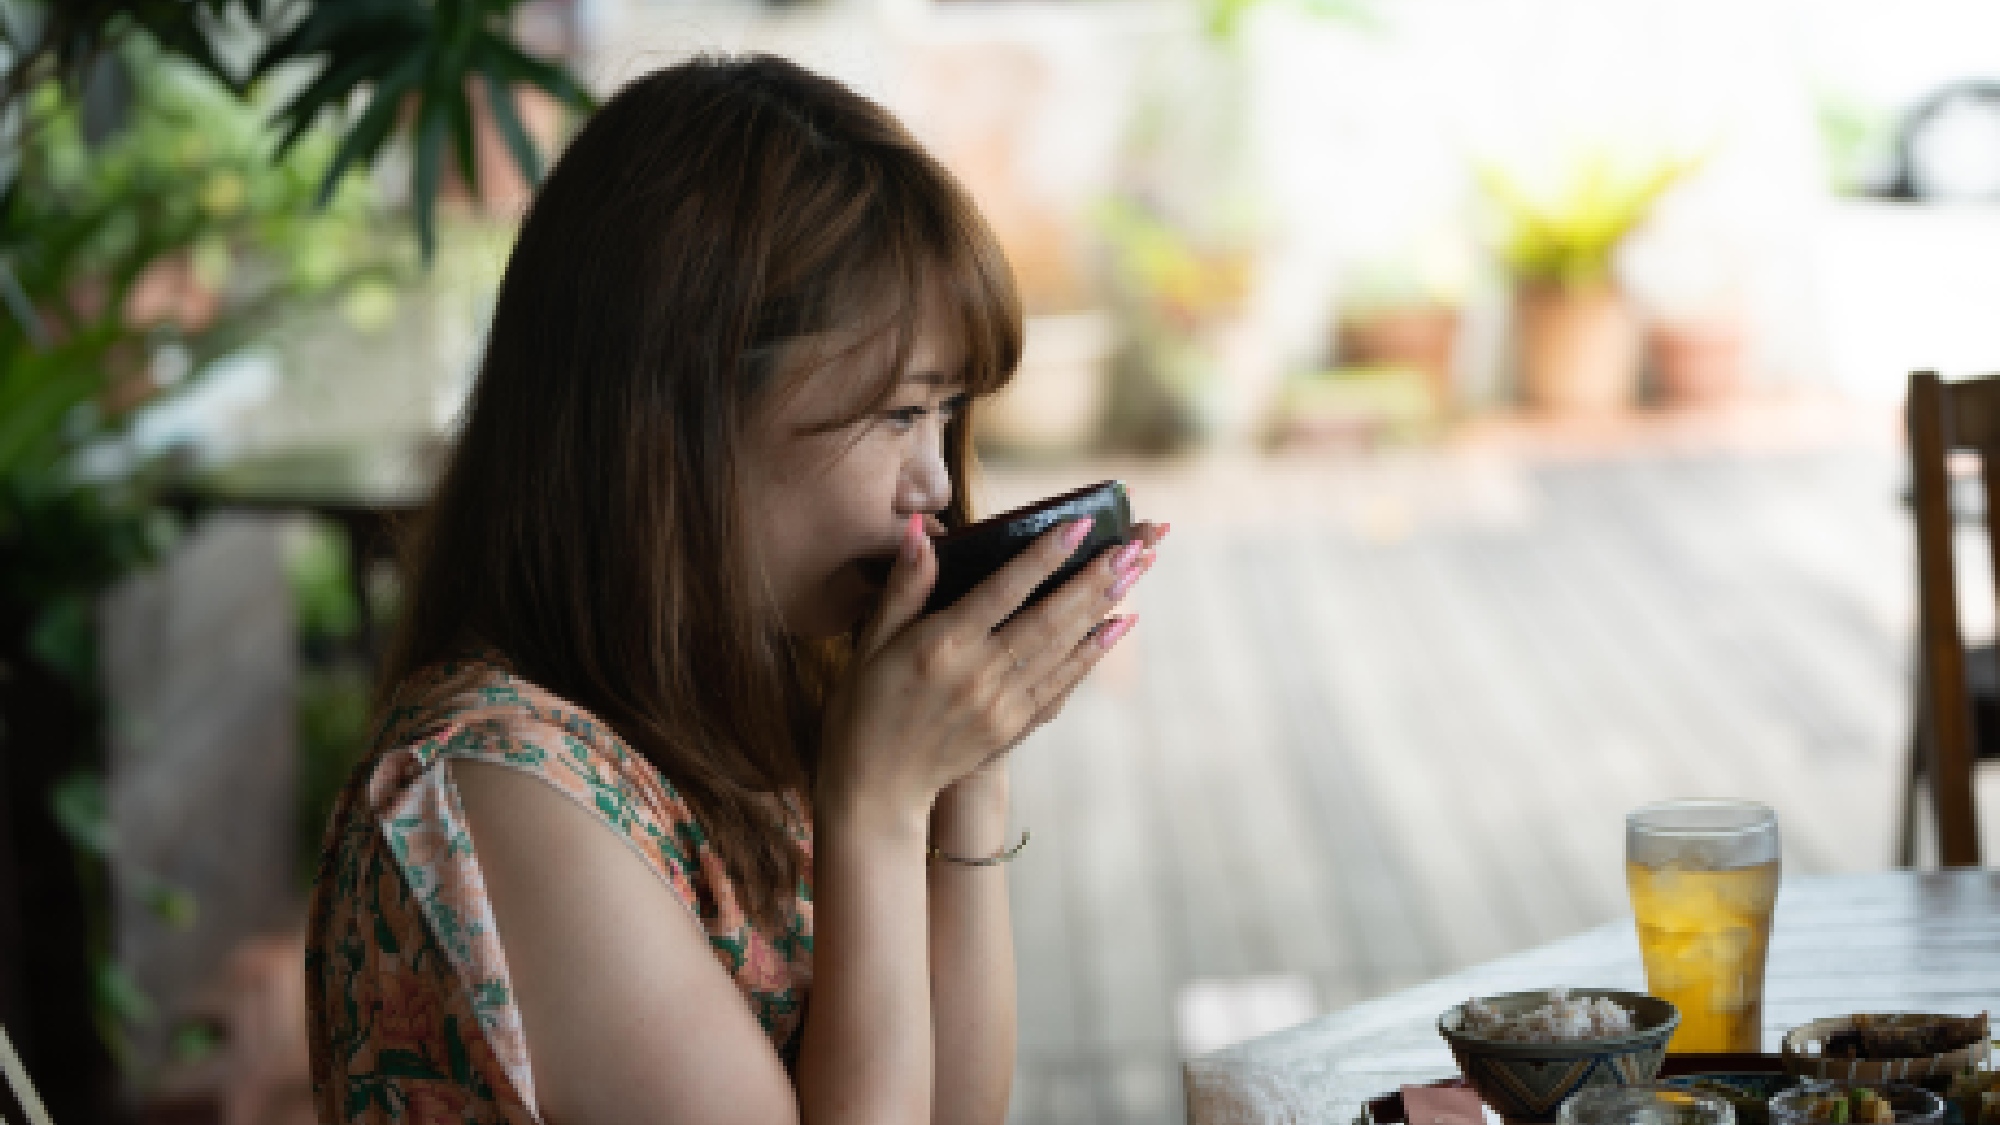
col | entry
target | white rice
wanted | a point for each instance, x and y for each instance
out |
(1561, 1020)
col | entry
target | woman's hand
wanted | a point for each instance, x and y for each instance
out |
(931, 699)
(1054, 691)
(1146, 538)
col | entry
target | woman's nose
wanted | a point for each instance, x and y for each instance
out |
(927, 483)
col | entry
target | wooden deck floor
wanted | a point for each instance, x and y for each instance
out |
(1381, 720)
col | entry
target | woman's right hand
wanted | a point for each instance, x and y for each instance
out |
(928, 700)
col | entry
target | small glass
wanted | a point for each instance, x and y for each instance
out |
(1911, 1105)
(1646, 1103)
(1704, 880)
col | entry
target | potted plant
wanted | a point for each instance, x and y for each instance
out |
(1688, 281)
(1181, 297)
(1576, 335)
(1353, 409)
(1698, 360)
(1403, 313)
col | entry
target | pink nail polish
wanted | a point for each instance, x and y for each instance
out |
(1118, 628)
(1125, 581)
(1074, 533)
(913, 537)
(1125, 556)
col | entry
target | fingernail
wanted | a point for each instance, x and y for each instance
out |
(1124, 583)
(1118, 628)
(1074, 533)
(1164, 528)
(1122, 560)
(913, 537)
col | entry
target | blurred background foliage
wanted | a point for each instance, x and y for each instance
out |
(139, 260)
(1564, 226)
(179, 180)
(334, 679)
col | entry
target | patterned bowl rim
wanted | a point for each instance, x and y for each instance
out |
(1633, 1002)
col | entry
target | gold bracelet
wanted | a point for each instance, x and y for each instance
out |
(996, 859)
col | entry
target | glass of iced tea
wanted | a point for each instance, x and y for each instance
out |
(1704, 877)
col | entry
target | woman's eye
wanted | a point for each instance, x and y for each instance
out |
(907, 416)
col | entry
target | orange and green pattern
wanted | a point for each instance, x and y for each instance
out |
(411, 1008)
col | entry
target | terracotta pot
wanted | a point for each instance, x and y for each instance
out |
(1699, 362)
(1420, 339)
(1578, 349)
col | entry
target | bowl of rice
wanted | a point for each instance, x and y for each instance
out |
(1527, 1052)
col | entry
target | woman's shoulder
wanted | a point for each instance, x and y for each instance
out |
(406, 807)
(480, 710)
(481, 706)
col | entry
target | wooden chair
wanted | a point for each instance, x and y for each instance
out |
(1954, 724)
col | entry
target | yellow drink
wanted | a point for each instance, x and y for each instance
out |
(1703, 934)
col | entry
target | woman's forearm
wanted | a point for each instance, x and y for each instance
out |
(971, 956)
(866, 1051)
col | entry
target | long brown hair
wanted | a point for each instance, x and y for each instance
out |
(589, 526)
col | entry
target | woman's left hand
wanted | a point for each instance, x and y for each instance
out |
(1148, 536)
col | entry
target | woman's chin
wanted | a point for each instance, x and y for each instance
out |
(845, 601)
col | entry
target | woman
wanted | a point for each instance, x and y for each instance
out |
(674, 815)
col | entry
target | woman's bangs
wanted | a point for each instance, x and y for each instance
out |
(971, 271)
(934, 258)
(942, 260)
(886, 326)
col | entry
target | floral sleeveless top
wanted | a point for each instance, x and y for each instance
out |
(412, 1016)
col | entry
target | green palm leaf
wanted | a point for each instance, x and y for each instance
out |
(500, 99)
(1567, 231)
(375, 58)
(415, 62)
(429, 151)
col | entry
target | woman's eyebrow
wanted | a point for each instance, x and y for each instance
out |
(934, 378)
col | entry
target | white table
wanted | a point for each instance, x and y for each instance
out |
(1895, 941)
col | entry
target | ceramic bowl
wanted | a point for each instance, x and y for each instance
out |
(1748, 1093)
(1804, 1052)
(1528, 1082)
(1911, 1106)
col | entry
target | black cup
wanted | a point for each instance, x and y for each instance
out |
(969, 555)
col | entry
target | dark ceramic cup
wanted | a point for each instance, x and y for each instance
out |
(970, 555)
